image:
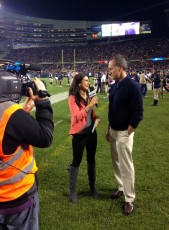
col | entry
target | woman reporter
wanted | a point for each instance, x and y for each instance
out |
(83, 118)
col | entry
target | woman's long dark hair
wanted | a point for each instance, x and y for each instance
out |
(75, 90)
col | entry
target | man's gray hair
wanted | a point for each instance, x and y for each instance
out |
(119, 61)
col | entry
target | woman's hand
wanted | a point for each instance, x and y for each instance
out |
(98, 119)
(94, 101)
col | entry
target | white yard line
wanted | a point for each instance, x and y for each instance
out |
(56, 98)
(58, 122)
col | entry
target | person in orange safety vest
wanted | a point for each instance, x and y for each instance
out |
(19, 131)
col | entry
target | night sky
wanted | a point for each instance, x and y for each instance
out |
(92, 10)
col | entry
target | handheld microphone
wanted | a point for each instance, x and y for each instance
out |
(92, 93)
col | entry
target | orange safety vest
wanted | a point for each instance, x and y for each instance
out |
(17, 171)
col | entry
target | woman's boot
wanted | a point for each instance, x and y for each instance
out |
(73, 172)
(91, 169)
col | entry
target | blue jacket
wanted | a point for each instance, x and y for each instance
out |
(156, 81)
(125, 104)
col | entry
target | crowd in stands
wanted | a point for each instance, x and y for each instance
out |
(2, 38)
(93, 58)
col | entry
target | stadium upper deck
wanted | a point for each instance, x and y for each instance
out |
(25, 31)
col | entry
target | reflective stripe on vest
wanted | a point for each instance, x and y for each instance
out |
(16, 170)
(5, 164)
(19, 176)
(4, 106)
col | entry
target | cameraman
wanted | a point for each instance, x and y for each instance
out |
(19, 131)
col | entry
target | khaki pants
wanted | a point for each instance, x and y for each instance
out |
(156, 93)
(121, 145)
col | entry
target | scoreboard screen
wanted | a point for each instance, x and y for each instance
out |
(120, 29)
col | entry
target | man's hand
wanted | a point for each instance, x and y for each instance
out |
(108, 136)
(130, 130)
(28, 105)
(40, 87)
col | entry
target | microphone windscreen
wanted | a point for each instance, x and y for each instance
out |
(91, 88)
(32, 66)
(92, 93)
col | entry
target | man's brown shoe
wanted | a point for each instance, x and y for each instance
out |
(116, 194)
(128, 208)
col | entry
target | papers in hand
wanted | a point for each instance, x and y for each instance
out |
(95, 125)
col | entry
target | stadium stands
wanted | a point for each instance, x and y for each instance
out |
(58, 43)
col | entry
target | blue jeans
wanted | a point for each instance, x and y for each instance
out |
(25, 220)
(144, 89)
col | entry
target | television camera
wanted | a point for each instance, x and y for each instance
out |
(14, 80)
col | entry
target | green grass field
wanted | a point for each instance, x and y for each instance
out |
(151, 158)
